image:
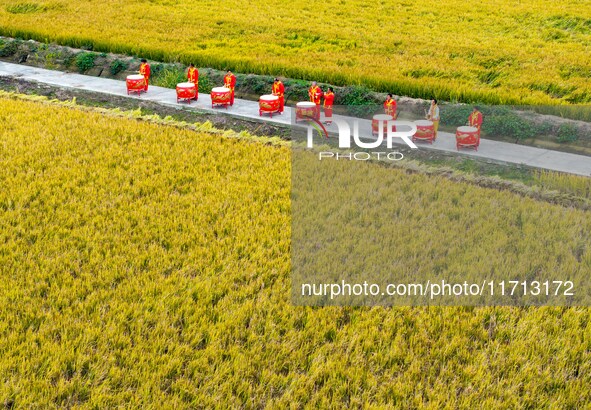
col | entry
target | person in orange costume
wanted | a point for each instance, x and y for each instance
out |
(315, 94)
(230, 82)
(475, 119)
(328, 102)
(145, 71)
(193, 77)
(279, 91)
(390, 106)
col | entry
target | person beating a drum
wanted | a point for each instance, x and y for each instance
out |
(390, 107)
(433, 116)
(230, 82)
(193, 76)
(279, 91)
(315, 94)
(145, 71)
(328, 102)
(475, 119)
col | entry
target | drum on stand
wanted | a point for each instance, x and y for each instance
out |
(221, 96)
(375, 123)
(186, 91)
(136, 83)
(467, 136)
(305, 110)
(268, 103)
(425, 131)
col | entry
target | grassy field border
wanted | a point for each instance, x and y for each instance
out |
(523, 181)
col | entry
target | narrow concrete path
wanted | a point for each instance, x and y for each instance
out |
(492, 150)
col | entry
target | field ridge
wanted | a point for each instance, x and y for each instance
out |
(580, 199)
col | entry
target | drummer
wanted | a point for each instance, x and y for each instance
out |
(390, 106)
(145, 71)
(433, 116)
(193, 75)
(230, 82)
(315, 94)
(475, 119)
(328, 102)
(279, 91)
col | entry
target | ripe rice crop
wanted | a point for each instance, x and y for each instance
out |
(571, 184)
(493, 51)
(144, 265)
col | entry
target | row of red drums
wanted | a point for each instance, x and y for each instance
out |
(425, 129)
(466, 136)
(219, 95)
(184, 91)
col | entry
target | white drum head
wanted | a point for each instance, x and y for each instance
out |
(305, 104)
(135, 77)
(467, 129)
(382, 117)
(220, 90)
(424, 123)
(269, 97)
(185, 85)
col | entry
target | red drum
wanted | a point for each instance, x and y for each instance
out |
(221, 96)
(186, 91)
(268, 103)
(306, 109)
(467, 136)
(135, 83)
(375, 123)
(425, 131)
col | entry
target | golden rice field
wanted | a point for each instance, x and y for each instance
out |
(145, 266)
(580, 187)
(354, 221)
(498, 51)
